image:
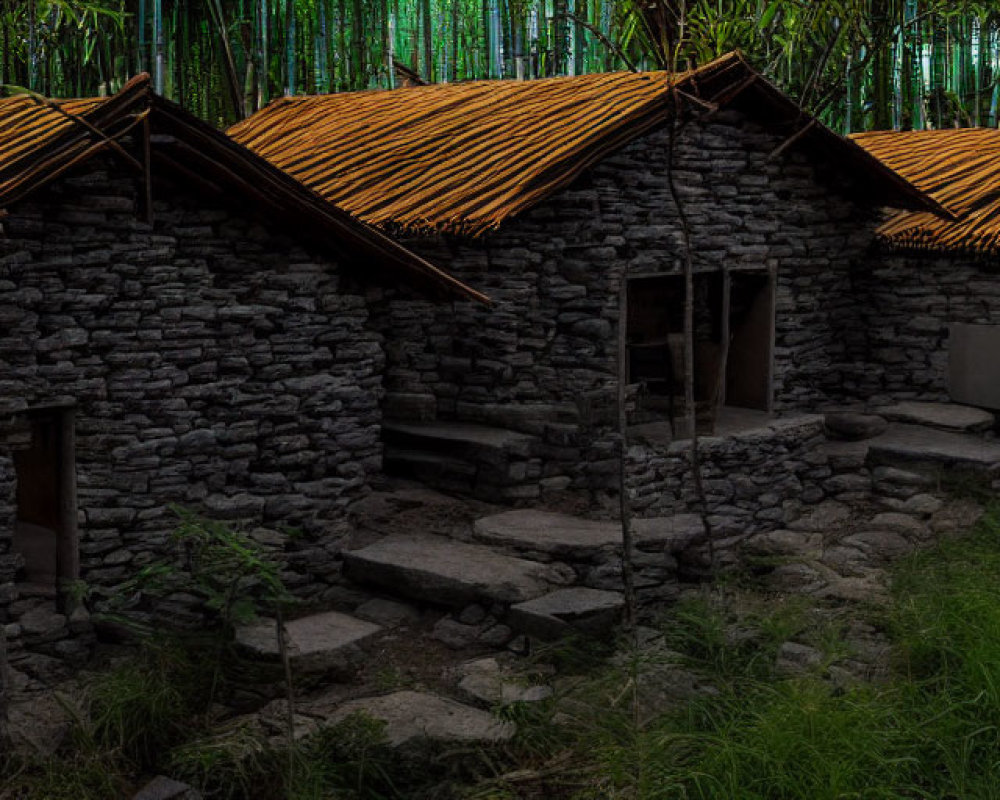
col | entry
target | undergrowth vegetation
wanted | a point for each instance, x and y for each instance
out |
(704, 712)
(700, 709)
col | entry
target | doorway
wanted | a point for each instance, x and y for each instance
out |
(733, 344)
(751, 341)
(45, 531)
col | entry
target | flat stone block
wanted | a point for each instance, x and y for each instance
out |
(579, 608)
(447, 572)
(920, 444)
(411, 716)
(318, 643)
(949, 416)
(559, 535)
(387, 612)
(164, 788)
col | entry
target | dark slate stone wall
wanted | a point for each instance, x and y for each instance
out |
(543, 360)
(907, 304)
(213, 363)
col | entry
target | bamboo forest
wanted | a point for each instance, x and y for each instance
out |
(859, 64)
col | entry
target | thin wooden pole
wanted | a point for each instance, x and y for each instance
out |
(720, 381)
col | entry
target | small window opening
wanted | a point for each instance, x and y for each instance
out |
(45, 531)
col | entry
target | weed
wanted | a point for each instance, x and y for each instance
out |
(235, 761)
(145, 704)
(86, 774)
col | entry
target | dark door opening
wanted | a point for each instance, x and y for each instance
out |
(733, 344)
(751, 331)
(45, 531)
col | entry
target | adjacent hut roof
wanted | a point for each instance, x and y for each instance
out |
(464, 157)
(41, 139)
(960, 168)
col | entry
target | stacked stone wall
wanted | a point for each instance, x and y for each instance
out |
(907, 304)
(749, 478)
(213, 363)
(543, 360)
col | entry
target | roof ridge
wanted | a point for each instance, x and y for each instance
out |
(461, 158)
(46, 140)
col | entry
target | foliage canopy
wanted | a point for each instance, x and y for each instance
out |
(860, 64)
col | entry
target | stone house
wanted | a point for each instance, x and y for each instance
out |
(180, 323)
(548, 195)
(931, 298)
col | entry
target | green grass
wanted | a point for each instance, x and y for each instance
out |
(931, 730)
(618, 726)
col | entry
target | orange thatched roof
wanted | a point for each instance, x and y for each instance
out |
(958, 167)
(464, 157)
(41, 139)
(28, 123)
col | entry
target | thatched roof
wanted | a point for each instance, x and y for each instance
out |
(41, 139)
(462, 158)
(960, 168)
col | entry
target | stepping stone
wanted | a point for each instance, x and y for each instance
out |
(484, 682)
(388, 612)
(558, 535)
(916, 443)
(448, 572)
(592, 611)
(411, 716)
(327, 642)
(164, 788)
(851, 426)
(577, 539)
(949, 416)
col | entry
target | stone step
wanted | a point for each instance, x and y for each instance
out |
(921, 445)
(443, 472)
(488, 463)
(328, 643)
(556, 535)
(947, 416)
(464, 439)
(572, 538)
(411, 716)
(577, 609)
(448, 572)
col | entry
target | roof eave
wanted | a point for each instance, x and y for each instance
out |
(896, 191)
(279, 191)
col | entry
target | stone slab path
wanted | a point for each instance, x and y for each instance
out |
(909, 443)
(577, 538)
(319, 643)
(578, 608)
(558, 535)
(410, 716)
(448, 572)
(949, 416)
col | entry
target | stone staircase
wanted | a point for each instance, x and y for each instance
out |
(929, 438)
(474, 460)
(477, 592)
(490, 581)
